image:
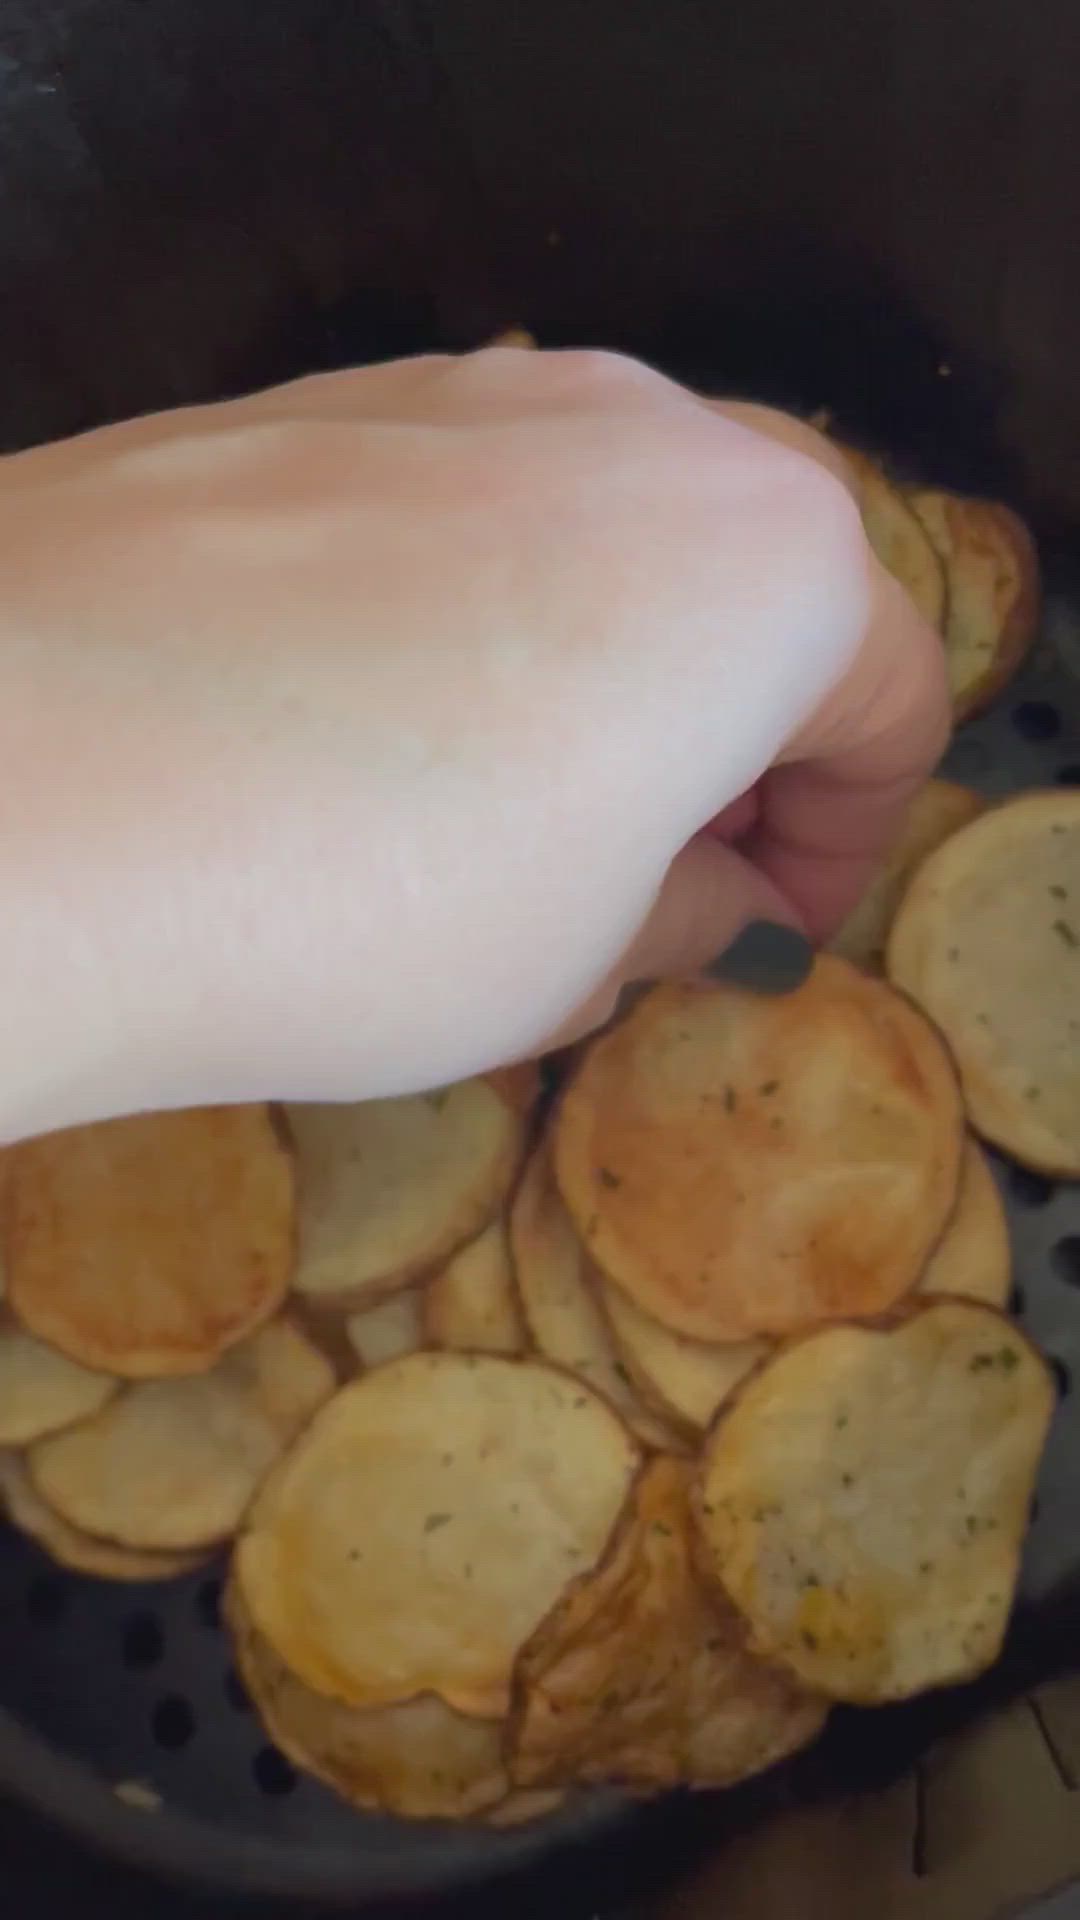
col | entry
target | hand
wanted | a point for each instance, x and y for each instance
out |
(364, 733)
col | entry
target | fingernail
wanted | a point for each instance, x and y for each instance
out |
(766, 956)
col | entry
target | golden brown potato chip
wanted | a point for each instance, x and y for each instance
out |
(514, 337)
(427, 1520)
(389, 1188)
(41, 1390)
(173, 1464)
(987, 941)
(974, 1257)
(148, 1246)
(899, 538)
(472, 1305)
(939, 809)
(864, 1498)
(744, 1164)
(992, 571)
(525, 1805)
(685, 1379)
(635, 1678)
(560, 1300)
(418, 1759)
(388, 1329)
(68, 1546)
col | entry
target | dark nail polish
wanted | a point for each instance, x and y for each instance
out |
(767, 957)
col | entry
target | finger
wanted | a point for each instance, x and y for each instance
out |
(831, 809)
(709, 896)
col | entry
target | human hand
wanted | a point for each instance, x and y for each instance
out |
(363, 733)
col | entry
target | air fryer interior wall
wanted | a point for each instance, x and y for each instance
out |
(865, 205)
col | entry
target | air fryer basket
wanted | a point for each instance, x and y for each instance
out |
(779, 200)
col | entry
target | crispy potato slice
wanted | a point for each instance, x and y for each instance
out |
(418, 1759)
(41, 1390)
(77, 1551)
(864, 1498)
(560, 1301)
(525, 1805)
(899, 538)
(992, 570)
(428, 1519)
(388, 1329)
(390, 1188)
(472, 1305)
(743, 1164)
(987, 941)
(685, 1379)
(939, 809)
(634, 1677)
(173, 1464)
(974, 1257)
(514, 337)
(148, 1246)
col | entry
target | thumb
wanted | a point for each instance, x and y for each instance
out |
(709, 897)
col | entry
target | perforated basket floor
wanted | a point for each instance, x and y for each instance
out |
(106, 1685)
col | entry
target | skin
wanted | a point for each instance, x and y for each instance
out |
(377, 729)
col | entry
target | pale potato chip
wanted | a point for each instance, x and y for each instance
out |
(939, 809)
(974, 1257)
(430, 1516)
(899, 538)
(525, 1805)
(173, 1464)
(864, 1498)
(418, 1759)
(71, 1548)
(685, 1379)
(562, 1309)
(388, 1329)
(987, 941)
(744, 1164)
(148, 1246)
(472, 1305)
(390, 1188)
(992, 571)
(635, 1678)
(41, 1390)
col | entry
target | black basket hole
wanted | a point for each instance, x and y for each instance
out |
(1062, 1375)
(235, 1691)
(1030, 1189)
(1036, 720)
(208, 1603)
(273, 1774)
(1018, 1302)
(172, 1722)
(1066, 1259)
(47, 1597)
(143, 1643)
(1068, 776)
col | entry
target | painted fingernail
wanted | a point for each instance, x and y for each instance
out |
(766, 956)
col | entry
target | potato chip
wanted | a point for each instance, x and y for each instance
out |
(974, 1257)
(992, 571)
(939, 809)
(390, 1188)
(899, 539)
(864, 1498)
(173, 1464)
(472, 1305)
(744, 1164)
(562, 1309)
(418, 1759)
(635, 1678)
(514, 337)
(388, 1329)
(525, 1805)
(428, 1519)
(148, 1246)
(685, 1379)
(41, 1390)
(987, 941)
(79, 1552)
